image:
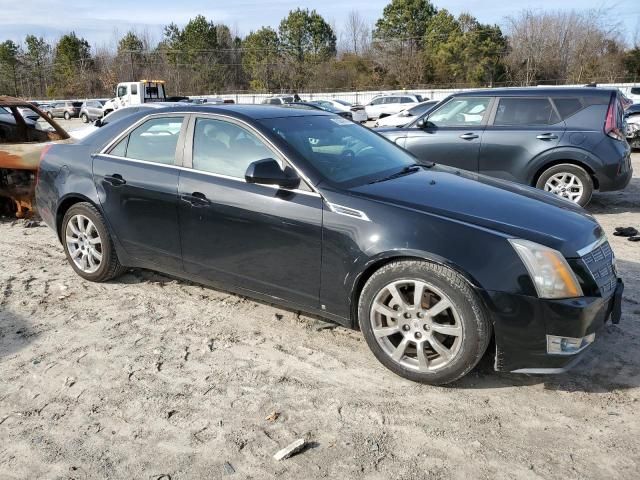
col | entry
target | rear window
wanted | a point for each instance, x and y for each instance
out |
(525, 111)
(635, 90)
(76, 104)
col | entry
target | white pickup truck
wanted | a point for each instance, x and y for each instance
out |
(136, 93)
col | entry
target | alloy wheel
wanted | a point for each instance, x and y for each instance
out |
(565, 185)
(84, 243)
(417, 325)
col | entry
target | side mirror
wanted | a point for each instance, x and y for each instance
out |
(422, 123)
(268, 172)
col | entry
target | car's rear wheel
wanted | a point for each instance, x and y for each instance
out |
(88, 245)
(567, 181)
(85, 118)
(423, 321)
(67, 116)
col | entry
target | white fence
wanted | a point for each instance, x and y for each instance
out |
(366, 97)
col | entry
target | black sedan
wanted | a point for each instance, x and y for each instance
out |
(310, 211)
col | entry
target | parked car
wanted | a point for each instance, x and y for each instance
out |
(632, 93)
(405, 116)
(305, 209)
(91, 110)
(25, 132)
(358, 112)
(632, 110)
(384, 105)
(325, 107)
(66, 110)
(567, 141)
(278, 100)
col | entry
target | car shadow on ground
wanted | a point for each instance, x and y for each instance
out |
(611, 203)
(16, 332)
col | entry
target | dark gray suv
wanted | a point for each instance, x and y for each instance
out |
(567, 141)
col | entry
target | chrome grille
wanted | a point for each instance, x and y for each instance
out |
(600, 263)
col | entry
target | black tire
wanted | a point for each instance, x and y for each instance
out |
(110, 266)
(50, 114)
(579, 172)
(85, 118)
(67, 116)
(475, 324)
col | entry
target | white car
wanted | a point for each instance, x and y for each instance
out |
(358, 112)
(384, 105)
(406, 116)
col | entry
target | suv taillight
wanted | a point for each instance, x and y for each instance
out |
(611, 127)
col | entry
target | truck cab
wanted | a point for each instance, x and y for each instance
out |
(136, 93)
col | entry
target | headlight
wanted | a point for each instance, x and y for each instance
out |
(550, 272)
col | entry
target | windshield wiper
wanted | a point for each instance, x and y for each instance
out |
(405, 171)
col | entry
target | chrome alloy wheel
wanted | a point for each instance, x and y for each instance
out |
(565, 185)
(417, 325)
(84, 243)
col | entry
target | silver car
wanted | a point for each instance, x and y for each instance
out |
(92, 110)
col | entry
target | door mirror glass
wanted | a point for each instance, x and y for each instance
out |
(268, 172)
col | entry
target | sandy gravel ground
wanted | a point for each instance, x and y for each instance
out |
(149, 377)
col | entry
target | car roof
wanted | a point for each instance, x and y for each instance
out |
(535, 91)
(249, 111)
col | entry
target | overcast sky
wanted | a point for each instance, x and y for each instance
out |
(100, 21)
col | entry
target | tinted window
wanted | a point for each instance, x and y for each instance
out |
(461, 111)
(525, 111)
(225, 148)
(406, 100)
(155, 140)
(134, 89)
(76, 104)
(567, 106)
(340, 150)
(635, 91)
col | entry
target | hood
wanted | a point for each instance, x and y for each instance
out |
(510, 208)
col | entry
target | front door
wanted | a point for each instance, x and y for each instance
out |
(137, 183)
(452, 134)
(256, 237)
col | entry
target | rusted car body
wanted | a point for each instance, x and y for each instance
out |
(22, 140)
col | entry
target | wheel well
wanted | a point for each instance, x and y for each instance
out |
(553, 163)
(66, 204)
(371, 269)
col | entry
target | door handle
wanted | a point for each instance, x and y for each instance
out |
(116, 179)
(196, 199)
(468, 136)
(547, 136)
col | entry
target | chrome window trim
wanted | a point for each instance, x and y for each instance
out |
(194, 114)
(216, 175)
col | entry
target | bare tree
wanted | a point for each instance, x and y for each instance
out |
(357, 33)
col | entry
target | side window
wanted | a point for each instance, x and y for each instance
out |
(405, 100)
(461, 111)
(377, 101)
(153, 141)
(122, 91)
(567, 106)
(225, 148)
(525, 111)
(134, 89)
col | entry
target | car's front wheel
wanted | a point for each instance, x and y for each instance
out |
(423, 321)
(85, 118)
(88, 245)
(567, 181)
(67, 116)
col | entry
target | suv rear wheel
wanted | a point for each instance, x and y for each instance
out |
(567, 181)
(67, 116)
(423, 321)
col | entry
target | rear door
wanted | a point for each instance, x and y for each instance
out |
(451, 134)
(520, 130)
(256, 237)
(137, 183)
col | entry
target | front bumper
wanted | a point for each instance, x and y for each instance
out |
(522, 323)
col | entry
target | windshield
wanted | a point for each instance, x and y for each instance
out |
(340, 150)
(421, 108)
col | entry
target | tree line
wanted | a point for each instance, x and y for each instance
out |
(413, 44)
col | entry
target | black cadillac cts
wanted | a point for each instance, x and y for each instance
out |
(308, 210)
